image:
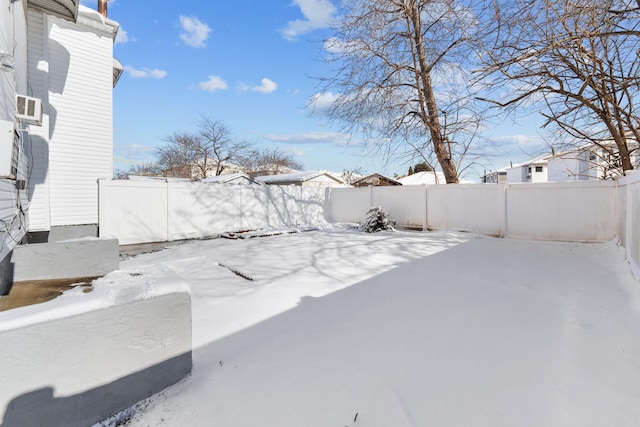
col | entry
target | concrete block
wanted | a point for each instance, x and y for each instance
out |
(82, 369)
(64, 260)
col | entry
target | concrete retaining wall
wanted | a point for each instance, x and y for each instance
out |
(65, 260)
(81, 369)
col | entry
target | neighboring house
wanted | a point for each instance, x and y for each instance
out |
(494, 177)
(375, 179)
(273, 169)
(584, 163)
(156, 178)
(194, 171)
(56, 59)
(428, 178)
(319, 178)
(536, 170)
(231, 178)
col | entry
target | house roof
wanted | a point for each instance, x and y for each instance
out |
(237, 178)
(156, 178)
(65, 9)
(428, 178)
(375, 179)
(297, 177)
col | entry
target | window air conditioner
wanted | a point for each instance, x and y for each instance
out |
(29, 109)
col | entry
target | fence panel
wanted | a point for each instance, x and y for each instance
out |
(307, 205)
(149, 211)
(405, 204)
(133, 211)
(348, 204)
(632, 220)
(576, 211)
(199, 210)
(477, 208)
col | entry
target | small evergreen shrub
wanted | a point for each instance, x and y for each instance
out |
(376, 220)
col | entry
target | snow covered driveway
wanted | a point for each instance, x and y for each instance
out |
(341, 328)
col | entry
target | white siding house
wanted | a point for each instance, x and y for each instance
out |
(60, 54)
(70, 67)
(14, 202)
(584, 163)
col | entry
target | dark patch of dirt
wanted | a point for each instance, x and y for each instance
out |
(38, 291)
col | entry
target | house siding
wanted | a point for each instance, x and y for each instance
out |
(13, 202)
(81, 147)
(70, 69)
(38, 138)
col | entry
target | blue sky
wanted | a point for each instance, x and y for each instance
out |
(250, 64)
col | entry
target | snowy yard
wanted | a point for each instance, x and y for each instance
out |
(342, 328)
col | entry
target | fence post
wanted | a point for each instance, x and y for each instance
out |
(168, 230)
(425, 206)
(505, 223)
(102, 208)
(627, 219)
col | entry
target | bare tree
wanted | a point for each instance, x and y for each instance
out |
(579, 63)
(209, 151)
(216, 148)
(268, 161)
(402, 74)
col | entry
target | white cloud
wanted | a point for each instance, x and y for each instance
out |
(321, 102)
(134, 153)
(317, 14)
(145, 73)
(122, 37)
(194, 32)
(266, 86)
(214, 83)
(294, 151)
(307, 138)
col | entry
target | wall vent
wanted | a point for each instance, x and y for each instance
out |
(29, 110)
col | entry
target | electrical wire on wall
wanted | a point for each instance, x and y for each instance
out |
(16, 225)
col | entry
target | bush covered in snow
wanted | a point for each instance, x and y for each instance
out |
(376, 220)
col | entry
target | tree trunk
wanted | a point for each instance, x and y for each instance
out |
(427, 98)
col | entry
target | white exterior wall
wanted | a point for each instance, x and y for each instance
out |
(517, 174)
(573, 167)
(13, 202)
(38, 144)
(70, 69)
(80, 113)
(536, 177)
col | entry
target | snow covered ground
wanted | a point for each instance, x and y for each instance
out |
(343, 328)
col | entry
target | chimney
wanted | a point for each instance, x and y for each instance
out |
(102, 7)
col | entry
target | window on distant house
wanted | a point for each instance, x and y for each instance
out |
(538, 168)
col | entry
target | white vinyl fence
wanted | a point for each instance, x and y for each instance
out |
(576, 211)
(590, 211)
(629, 218)
(158, 211)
